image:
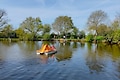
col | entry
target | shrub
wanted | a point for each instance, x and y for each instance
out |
(99, 38)
(46, 36)
(89, 38)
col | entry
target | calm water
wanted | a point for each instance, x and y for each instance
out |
(73, 61)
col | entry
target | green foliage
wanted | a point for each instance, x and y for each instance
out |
(46, 28)
(72, 37)
(7, 31)
(116, 35)
(99, 38)
(20, 33)
(81, 34)
(115, 25)
(46, 36)
(75, 30)
(102, 30)
(89, 37)
(95, 19)
(62, 24)
(32, 26)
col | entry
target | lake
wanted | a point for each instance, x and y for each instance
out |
(73, 61)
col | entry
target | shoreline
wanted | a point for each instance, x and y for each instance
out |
(62, 40)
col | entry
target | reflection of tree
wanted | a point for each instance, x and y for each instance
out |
(94, 61)
(112, 51)
(82, 44)
(8, 43)
(75, 45)
(64, 51)
(28, 46)
(98, 54)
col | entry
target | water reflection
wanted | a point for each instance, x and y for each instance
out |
(82, 44)
(6, 43)
(64, 51)
(17, 50)
(98, 54)
(47, 58)
(75, 45)
(84, 60)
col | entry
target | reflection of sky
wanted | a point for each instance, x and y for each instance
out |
(11, 52)
(83, 60)
(15, 52)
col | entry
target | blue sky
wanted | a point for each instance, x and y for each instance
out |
(49, 10)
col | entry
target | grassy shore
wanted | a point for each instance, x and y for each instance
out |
(61, 40)
(9, 39)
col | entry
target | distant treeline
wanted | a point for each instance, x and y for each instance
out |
(32, 29)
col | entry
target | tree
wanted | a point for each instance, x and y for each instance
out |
(116, 35)
(115, 29)
(7, 30)
(32, 26)
(81, 34)
(46, 28)
(20, 33)
(89, 37)
(62, 24)
(115, 25)
(46, 36)
(116, 22)
(95, 19)
(102, 30)
(3, 19)
(74, 32)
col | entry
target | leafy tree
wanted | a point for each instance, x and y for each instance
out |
(116, 35)
(62, 24)
(81, 34)
(115, 29)
(75, 30)
(20, 33)
(115, 25)
(7, 30)
(99, 38)
(32, 26)
(102, 30)
(3, 19)
(46, 28)
(95, 19)
(89, 37)
(116, 22)
(46, 36)
(74, 33)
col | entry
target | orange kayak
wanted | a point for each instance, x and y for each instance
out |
(47, 50)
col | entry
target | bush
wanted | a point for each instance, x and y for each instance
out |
(99, 38)
(46, 36)
(89, 38)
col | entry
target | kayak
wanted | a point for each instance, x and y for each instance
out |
(47, 49)
(47, 53)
